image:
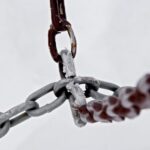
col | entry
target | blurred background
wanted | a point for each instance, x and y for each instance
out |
(113, 45)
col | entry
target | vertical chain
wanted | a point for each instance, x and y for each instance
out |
(59, 24)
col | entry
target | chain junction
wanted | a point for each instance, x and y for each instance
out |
(59, 24)
(124, 102)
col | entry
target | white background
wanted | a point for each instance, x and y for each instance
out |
(113, 45)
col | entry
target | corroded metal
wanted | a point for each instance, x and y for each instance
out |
(59, 24)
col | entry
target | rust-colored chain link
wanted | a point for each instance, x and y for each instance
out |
(59, 24)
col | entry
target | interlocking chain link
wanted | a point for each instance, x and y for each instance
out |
(59, 24)
(125, 102)
(66, 88)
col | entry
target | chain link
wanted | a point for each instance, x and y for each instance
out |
(126, 102)
(59, 24)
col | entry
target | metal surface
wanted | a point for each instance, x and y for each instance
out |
(59, 24)
(58, 15)
(75, 94)
(125, 102)
(52, 42)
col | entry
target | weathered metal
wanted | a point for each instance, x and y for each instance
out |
(59, 24)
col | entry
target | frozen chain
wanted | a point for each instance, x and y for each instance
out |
(125, 102)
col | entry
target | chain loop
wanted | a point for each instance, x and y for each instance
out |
(38, 111)
(52, 43)
(59, 24)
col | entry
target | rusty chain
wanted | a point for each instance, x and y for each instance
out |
(125, 102)
(59, 24)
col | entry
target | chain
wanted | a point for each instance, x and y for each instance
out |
(59, 24)
(66, 88)
(124, 102)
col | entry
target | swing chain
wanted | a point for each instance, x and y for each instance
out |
(125, 102)
(59, 24)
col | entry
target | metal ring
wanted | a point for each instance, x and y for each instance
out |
(47, 108)
(52, 42)
(61, 85)
(4, 128)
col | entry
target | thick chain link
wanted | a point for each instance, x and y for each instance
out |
(66, 88)
(126, 102)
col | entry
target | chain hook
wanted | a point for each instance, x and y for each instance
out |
(59, 24)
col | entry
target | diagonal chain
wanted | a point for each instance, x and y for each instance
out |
(125, 102)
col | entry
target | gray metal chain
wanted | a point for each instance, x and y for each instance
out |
(66, 88)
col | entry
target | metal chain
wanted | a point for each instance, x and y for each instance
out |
(66, 88)
(125, 102)
(59, 24)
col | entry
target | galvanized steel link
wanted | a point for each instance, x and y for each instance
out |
(30, 108)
